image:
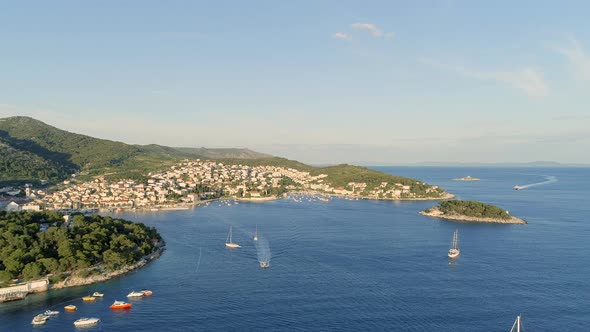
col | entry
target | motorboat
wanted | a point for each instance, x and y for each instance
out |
(518, 187)
(146, 292)
(264, 264)
(70, 307)
(40, 319)
(89, 298)
(51, 313)
(97, 294)
(135, 294)
(454, 251)
(85, 321)
(120, 305)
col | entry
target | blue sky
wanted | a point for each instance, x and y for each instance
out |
(317, 81)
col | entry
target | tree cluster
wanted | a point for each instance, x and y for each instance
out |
(37, 244)
(473, 209)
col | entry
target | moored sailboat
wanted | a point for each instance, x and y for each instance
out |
(454, 251)
(229, 242)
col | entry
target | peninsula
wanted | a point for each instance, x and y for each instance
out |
(471, 211)
(46, 168)
(45, 250)
(466, 178)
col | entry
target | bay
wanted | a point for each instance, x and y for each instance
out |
(353, 265)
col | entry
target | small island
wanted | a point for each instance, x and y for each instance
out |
(466, 178)
(48, 250)
(471, 211)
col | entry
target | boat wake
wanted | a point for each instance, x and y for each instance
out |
(263, 251)
(548, 179)
(199, 262)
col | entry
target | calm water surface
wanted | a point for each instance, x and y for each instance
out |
(357, 265)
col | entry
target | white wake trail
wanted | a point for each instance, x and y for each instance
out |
(548, 179)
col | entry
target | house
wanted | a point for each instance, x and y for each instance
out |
(12, 207)
(32, 206)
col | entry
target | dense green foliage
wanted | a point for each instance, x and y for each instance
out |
(28, 252)
(23, 166)
(473, 209)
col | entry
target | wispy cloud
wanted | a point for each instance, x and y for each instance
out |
(371, 28)
(528, 80)
(577, 57)
(342, 36)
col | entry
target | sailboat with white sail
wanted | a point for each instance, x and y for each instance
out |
(454, 251)
(229, 242)
(517, 326)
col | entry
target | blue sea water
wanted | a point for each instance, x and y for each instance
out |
(357, 265)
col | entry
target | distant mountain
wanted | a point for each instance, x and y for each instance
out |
(501, 164)
(224, 153)
(32, 150)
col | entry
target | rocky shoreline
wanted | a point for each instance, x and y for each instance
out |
(435, 212)
(73, 281)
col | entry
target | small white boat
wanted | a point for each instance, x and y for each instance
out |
(518, 187)
(40, 319)
(516, 327)
(454, 251)
(97, 294)
(86, 321)
(229, 243)
(135, 294)
(51, 313)
(264, 264)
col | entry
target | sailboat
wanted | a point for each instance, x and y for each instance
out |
(256, 234)
(229, 243)
(516, 327)
(454, 251)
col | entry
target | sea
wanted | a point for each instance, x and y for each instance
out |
(356, 265)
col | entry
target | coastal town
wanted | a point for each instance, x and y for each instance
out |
(191, 182)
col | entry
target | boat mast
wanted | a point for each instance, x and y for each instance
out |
(516, 325)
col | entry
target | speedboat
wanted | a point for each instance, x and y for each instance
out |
(135, 294)
(97, 294)
(39, 319)
(70, 307)
(120, 305)
(51, 313)
(146, 292)
(264, 264)
(89, 298)
(518, 187)
(86, 321)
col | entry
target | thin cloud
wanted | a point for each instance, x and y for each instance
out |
(374, 30)
(576, 56)
(528, 80)
(342, 36)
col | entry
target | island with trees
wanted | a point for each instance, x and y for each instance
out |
(71, 250)
(466, 178)
(471, 211)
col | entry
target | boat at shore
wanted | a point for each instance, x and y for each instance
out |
(85, 321)
(97, 294)
(120, 305)
(89, 298)
(40, 319)
(454, 251)
(135, 294)
(70, 308)
(229, 242)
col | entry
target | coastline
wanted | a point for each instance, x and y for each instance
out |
(436, 213)
(74, 281)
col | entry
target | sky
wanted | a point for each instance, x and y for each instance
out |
(369, 82)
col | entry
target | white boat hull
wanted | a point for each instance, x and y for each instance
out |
(453, 253)
(86, 321)
(232, 245)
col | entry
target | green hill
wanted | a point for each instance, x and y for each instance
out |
(31, 150)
